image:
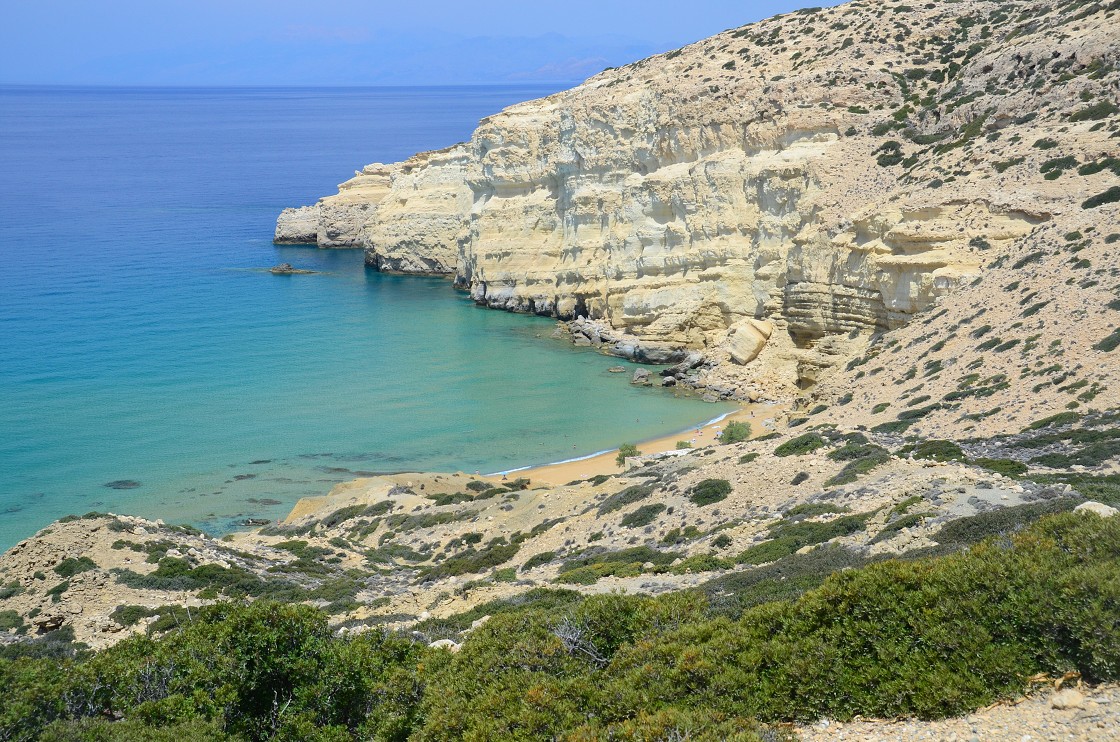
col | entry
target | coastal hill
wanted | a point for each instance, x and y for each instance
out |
(775, 196)
(895, 225)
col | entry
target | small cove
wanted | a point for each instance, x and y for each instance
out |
(141, 344)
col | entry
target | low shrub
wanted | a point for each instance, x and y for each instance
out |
(497, 551)
(617, 501)
(11, 621)
(735, 432)
(789, 536)
(813, 509)
(925, 638)
(709, 492)
(643, 516)
(935, 450)
(801, 445)
(538, 560)
(1000, 522)
(588, 568)
(1006, 467)
(1110, 343)
(890, 530)
(1110, 196)
(625, 451)
(70, 566)
(874, 457)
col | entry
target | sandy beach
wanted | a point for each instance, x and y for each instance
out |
(604, 463)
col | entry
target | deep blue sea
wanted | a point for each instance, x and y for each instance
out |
(141, 340)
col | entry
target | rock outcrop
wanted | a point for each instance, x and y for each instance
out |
(830, 173)
(337, 221)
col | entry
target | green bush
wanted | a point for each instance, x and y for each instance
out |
(1000, 522)
(735, 432)
(812, 509)
(721, 541)
(1100, 487)
(1110, 342)
(643, 516)
(11, 590)
(801, 445)
(69, 567)
(1062, 418)
(130, 615)
(784, 578)
(586, 569)
(1099, 110)
(625, 451)
(894, 527)
(935, 450)
(497, 551)
(923, 638)
(537, 560)
(1006, 467)
(1110, 196)
(617, 501)
(874, 457)
(56, 592)
(11, 621)
(709, 492)
(854, 450)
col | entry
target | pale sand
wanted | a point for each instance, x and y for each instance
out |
(604, 463)
(370, 490)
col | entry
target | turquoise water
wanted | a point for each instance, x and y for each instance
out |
(140, 340)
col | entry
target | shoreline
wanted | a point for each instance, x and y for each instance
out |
(603, 462)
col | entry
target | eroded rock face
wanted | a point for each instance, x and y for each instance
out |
(830, 173)
(299, 226)
(337, 221)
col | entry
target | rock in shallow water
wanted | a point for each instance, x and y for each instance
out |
(122, 484)
(286, 269)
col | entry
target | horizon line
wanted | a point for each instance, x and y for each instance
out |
(279, 86)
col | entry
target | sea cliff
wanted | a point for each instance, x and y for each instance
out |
(824, 175)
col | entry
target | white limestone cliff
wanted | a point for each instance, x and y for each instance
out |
(828, 173)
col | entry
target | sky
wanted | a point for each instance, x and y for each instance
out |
(348, 42)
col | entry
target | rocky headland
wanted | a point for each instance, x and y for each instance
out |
(773, 197)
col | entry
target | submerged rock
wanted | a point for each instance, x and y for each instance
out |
(286, 269)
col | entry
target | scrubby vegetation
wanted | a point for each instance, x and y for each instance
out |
(800, 445)
(710, 491)
(923, 638)
(735, 432)
(626, 451)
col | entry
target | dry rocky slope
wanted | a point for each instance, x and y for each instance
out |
(909, 212)
(776, 195)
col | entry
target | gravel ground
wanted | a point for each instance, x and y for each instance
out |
(1085, 714)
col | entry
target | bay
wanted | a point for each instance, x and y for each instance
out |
(143, 345)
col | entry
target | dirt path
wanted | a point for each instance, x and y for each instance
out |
(1085, 714)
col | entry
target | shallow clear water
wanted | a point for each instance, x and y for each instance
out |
(140, 339)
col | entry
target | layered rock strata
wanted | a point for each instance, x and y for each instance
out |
(827, 173)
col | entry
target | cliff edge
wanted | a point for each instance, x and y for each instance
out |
(776, 196)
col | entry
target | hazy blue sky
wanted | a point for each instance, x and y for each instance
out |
(348, 42)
